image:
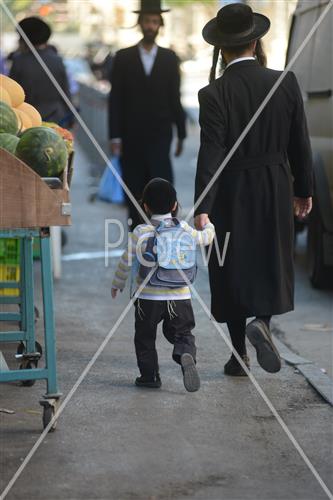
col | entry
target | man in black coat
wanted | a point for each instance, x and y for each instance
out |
(144, 105)
(268, 179)
(27, 71)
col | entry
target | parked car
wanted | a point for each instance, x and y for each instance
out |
(314, 71)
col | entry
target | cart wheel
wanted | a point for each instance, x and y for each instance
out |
(21, 348)
(48, 413)
(28, 366)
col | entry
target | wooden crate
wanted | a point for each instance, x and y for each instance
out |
(26, 201)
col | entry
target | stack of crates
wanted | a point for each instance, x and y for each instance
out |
(9, 264)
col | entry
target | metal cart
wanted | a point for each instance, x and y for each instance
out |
(45, 204)
(29, 351)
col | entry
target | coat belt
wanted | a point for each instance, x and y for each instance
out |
(269, 159)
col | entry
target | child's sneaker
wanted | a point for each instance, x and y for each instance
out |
(151, 382)
(190, 373)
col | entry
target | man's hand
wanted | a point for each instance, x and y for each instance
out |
(114, 292)
(179, 148)
(116, 148)
(200, 221)
(302, 207)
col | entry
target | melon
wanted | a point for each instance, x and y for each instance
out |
(23, 119)
(9, 142)
(4, 96)
(43, 150)
(15, 91)
(32, 112)
(8, 119)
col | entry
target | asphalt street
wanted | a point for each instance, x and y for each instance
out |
(115, 441)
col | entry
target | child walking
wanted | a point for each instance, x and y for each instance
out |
(157, 303)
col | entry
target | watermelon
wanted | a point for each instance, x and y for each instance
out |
(8, 119)
(43, 150)
(8, 142)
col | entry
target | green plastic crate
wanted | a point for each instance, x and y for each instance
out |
(9, 251)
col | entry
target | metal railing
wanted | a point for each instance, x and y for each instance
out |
(93, 103)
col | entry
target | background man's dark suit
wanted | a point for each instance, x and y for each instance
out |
(142, 111)
(253, 197)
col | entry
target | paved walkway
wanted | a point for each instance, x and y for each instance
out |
(117, 442)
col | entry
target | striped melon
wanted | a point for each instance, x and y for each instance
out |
(43, 150)
(8, 142)
(8, 119)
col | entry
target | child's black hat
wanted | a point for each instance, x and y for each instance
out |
(159, 195)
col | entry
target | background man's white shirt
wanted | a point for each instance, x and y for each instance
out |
(148, 58)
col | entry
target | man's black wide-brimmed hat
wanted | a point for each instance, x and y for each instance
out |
(235, 24)
(151, 7)
(36, 30)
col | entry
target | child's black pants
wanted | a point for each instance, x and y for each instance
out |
(178, 322)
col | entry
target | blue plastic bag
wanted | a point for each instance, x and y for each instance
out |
(109, 188)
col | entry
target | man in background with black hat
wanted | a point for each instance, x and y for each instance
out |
(256, 195)
(144, 106)
(27, 71)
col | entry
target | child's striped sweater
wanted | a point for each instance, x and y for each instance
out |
(139, 237)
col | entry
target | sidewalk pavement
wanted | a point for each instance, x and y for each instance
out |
(115, 441)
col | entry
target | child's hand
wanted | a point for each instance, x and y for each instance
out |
(114, 292)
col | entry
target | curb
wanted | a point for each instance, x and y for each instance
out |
(321, 382)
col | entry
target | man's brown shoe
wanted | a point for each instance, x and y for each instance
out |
(260, 337)
(234, 369)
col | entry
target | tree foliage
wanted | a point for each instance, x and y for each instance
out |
(210, 5)
(16, 6)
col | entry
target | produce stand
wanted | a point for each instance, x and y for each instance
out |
(28, 208)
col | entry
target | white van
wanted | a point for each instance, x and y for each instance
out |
(314, 71)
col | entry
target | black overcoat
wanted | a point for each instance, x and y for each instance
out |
(253, 197)
(39, 90)
(142, 112)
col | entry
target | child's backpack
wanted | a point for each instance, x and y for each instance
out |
(170, 249)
